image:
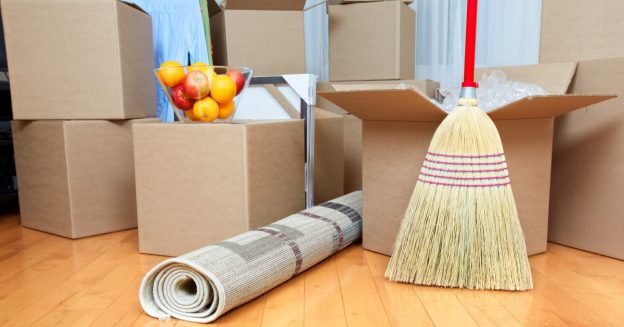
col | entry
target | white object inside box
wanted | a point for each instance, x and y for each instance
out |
(258, 104)
(494, 91)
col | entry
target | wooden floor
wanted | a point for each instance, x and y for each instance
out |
(47, 280)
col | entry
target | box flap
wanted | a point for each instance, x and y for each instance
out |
(387, 105)
(134, 6)
(263, 5)
(429, 87)
(554, 78)
(545, 106)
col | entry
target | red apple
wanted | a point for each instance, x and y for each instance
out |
(180, 99)
(238, 78)
(196, 85)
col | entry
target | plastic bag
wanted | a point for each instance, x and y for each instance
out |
(494, 91)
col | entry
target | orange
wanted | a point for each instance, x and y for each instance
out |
(223, 89)
(206, 109)
(226, 110)
(171, 73)
(204, 68)
(190, 114)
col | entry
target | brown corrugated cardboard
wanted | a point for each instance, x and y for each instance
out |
(352, 143)
(76, 178)
(588, 180)
(396, 139)
(329, 156)
(361, 50)
(266, 35)
(574, 30)
(352, 137)
(79, 60)
(201, 183)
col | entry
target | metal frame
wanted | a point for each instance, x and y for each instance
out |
(307, 114)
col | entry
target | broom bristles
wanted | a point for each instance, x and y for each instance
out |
(461, 228)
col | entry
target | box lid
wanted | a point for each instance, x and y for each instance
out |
(410, 104)
(295, 5)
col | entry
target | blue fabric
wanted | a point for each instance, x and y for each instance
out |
(178, 34)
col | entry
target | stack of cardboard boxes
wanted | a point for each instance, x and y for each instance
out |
(80, 78)
(201, 183)
(361, 52)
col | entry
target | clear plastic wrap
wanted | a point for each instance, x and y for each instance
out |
(494, 91)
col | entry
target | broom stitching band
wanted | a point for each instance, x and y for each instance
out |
(464, 185)
(465, 163)
(466, 171)
(466, 155)
(465, 178)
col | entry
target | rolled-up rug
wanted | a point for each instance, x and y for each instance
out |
(204, 284)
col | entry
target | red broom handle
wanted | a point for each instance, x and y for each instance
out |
(471, 36)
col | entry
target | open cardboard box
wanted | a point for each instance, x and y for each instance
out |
(352, 136)
(397, 128)
(586, 207)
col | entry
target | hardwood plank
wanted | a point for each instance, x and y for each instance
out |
(362, 303)
(146, 321)
(322, 278)
(126, 309)
(492, 315)
(248, 315)
(607, 273)
(594, 299)
(323, 300)
(324, 309)
(402, 304)
(566, 307)
(57, 287)
(445, 309)
(285, 304)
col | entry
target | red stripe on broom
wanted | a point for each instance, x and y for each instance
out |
(464, 185)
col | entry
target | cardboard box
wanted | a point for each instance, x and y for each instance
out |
(266, 35)
(352, 139)
(586, 207)
(76, 178)
(329, 156)
(361, 50)
(396, 139)
(574, 30)
(79, 60)
(352, 136)
(201, 183)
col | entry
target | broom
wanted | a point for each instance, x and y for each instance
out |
(461, 227)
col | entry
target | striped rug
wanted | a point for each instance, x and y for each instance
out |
(204, 284)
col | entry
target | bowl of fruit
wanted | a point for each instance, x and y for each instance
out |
(201, 92)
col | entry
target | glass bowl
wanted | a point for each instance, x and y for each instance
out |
(204, 94)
